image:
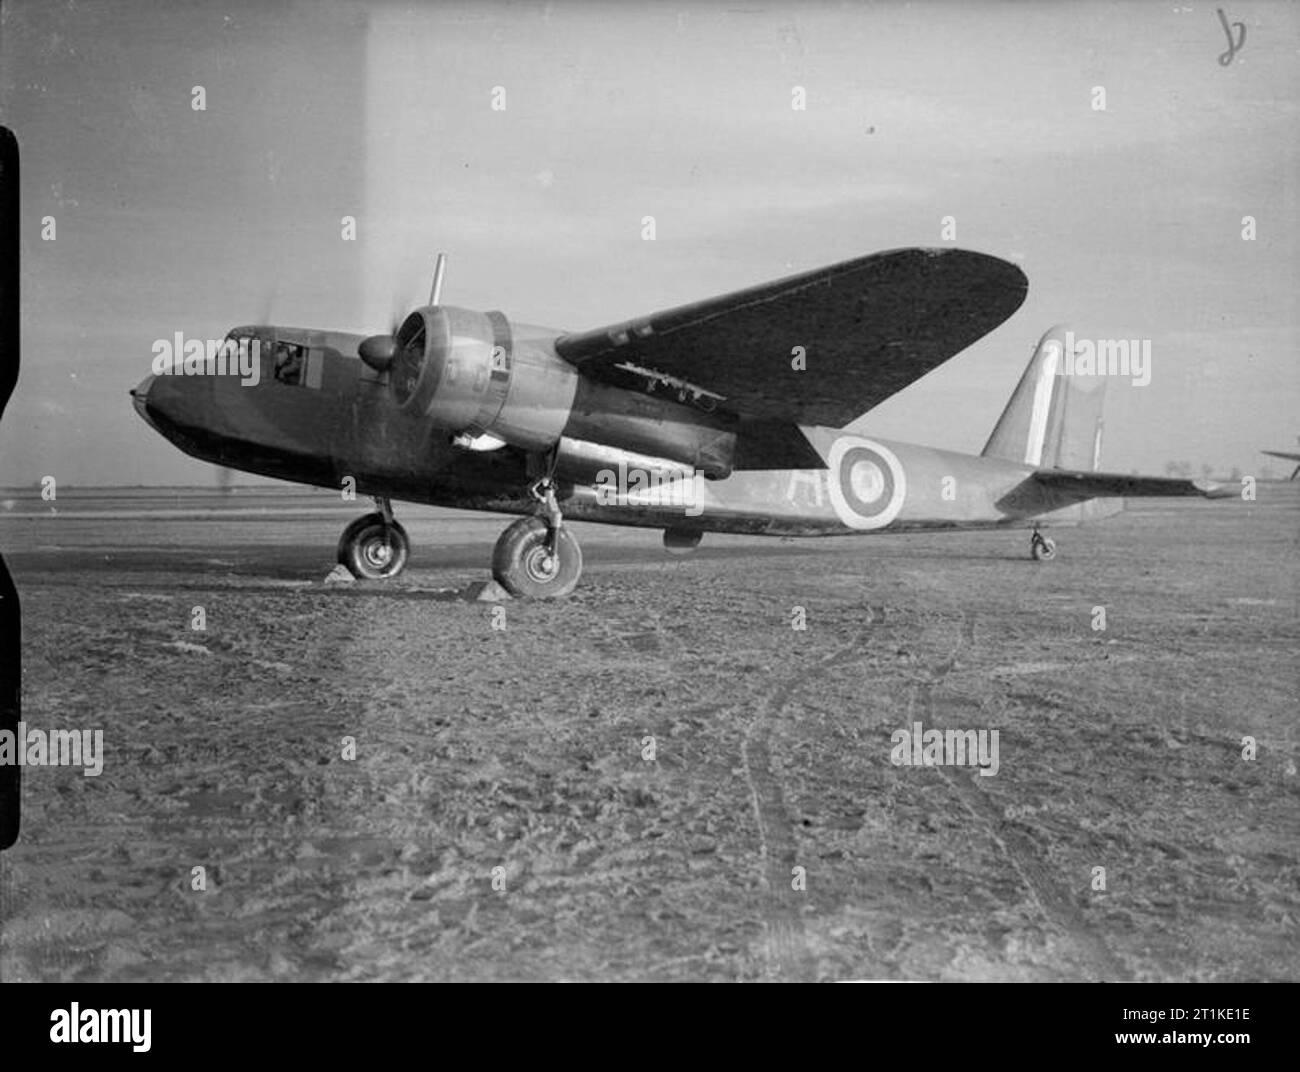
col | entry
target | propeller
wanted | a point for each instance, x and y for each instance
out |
(378, 351)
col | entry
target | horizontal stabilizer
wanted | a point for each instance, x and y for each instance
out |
(1085, 484)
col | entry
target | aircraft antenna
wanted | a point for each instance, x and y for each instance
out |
(439, 268)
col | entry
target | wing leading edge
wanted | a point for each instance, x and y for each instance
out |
(868, 327)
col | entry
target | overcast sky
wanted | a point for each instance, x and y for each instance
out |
(1127, 221)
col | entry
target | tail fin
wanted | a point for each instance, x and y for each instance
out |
(1053, 421)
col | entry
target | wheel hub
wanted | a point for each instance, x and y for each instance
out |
(540, 564)
(377, 553)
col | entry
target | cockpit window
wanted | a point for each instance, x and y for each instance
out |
(289, 361)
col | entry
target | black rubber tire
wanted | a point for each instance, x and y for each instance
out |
(519, 561)
(1043, 549)
(350, 533)
(372, 550)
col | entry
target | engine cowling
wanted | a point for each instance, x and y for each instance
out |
(463, 370)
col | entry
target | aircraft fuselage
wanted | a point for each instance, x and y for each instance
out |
(330, 421)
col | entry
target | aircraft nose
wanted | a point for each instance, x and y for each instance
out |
(140, 394)
(176, 402)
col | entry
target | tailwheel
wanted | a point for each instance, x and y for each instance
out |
(374, 547)
(1043, 548)
(533, 560)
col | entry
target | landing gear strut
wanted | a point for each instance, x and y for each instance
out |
(537, 556)
(1043, 548)
(375, 546)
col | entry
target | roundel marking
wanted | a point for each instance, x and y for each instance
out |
(866, 483)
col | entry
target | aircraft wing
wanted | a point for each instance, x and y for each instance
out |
(869, 327)
(1084, 484)
(1282, 454)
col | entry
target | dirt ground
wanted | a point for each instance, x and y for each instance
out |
(770, 837)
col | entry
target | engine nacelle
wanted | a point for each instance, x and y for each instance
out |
(462, 370)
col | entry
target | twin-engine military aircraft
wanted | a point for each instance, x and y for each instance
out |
(727, 415)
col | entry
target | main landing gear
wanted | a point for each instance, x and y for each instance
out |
(375, 546)
(537, 556)
(1043, 548)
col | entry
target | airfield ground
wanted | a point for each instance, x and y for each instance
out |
(480, 748)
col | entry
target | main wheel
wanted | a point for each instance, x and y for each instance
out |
(524, 566)
(1043, 548)
(373, 550)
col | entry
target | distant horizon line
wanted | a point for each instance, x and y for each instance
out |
(215, 488)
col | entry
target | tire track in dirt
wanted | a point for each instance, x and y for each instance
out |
(787, 955)
(1045, 890)
(1044, 887)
